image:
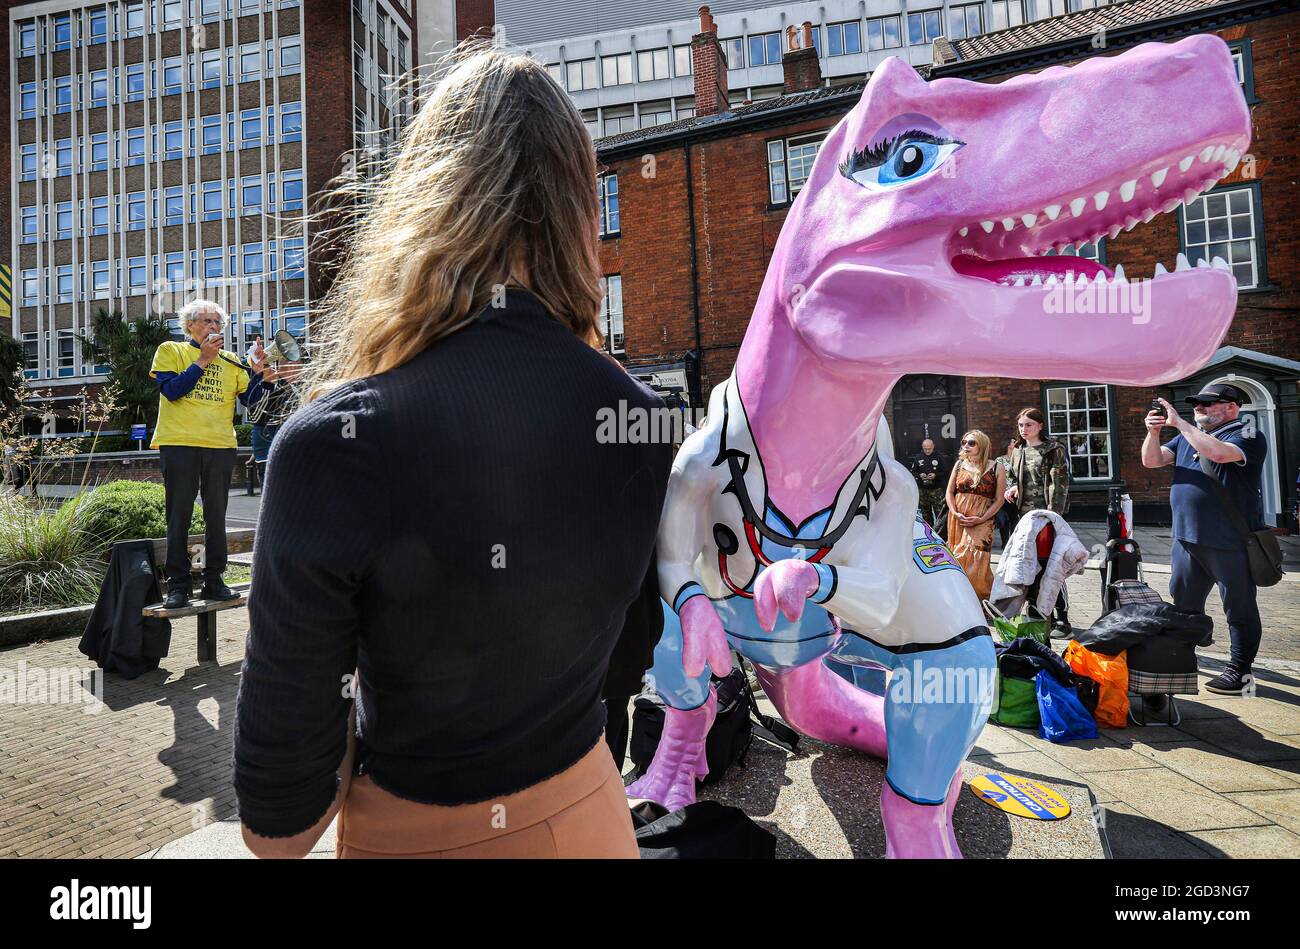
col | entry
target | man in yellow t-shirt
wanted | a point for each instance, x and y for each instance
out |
(198, 386)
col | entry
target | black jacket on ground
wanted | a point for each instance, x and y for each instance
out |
(1129, 625)
(455, 531)
(1023, 657)
(117, 637)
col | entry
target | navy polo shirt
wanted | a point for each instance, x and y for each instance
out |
(1199, 514)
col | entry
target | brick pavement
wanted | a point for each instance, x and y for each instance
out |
(155, 764)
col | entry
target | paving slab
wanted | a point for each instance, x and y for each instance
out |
(1134, 836)
(1098, 754)
(1281, 807)
(1270, 842)
(1214, 768)
(1169, 798)
(999, 738)
(1149, 734)
(1242, 739)
(1281, 718)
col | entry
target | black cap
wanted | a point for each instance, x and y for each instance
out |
(1219, 392)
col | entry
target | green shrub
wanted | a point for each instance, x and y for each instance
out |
(244, 434)
(47, 556)
(125, 510)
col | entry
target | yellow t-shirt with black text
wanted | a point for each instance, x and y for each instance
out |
(203, 418)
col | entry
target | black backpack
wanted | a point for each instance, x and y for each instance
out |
(730, 736)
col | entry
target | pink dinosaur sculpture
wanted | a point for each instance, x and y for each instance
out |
(790, 533)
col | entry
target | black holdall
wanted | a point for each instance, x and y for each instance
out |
(1263, 551)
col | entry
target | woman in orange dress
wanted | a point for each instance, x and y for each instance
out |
(975, 493)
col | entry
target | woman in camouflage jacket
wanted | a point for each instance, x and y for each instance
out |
(1038, 471)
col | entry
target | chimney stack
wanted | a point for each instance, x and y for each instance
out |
(709, 64)
(800, 65)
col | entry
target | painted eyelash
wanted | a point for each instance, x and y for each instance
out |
(860, 159)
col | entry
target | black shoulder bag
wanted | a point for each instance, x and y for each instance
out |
(1263, 551)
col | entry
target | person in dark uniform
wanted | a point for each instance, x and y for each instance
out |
(930, 470)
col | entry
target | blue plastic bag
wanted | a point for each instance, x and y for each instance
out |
(1062, 714)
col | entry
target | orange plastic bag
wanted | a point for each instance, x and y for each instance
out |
(1111, 674)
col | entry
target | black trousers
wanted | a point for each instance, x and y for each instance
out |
(189, 472)
(1195, 569)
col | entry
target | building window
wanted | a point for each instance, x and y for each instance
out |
(134, 82)
(210, 68)
(291, 190)
(616, 70)
(252, 260)
(171, 13)
(291, 122)
(212, 206)
(63, 94)
(99, 282)
(211, 134)
(31, 286)
(582, 75)
(135, 19)
(99, 25)
(63, 283)
(212, 263)
(27, 100)
(656, 113)
(843, 39)
(174, 205)
(67, 353)
(652, 64)
(173, 75)
(27, 168)
(99, 87)
(250, 199)
(1242, 62)
(884, 32)
(135, 211)
(683, 64)
(28, 229)
(619, 120)
(1008, 13)
(27, 39)
(136, 278)
(733, 48)
(63, 156)
(99, 215)
(611, 313)
(293, 258)
(99, 151)
(250, 128)
(607, 192)
(173, 140)
(765, 49)
(62, 31)
(174, 272)
(1079, 417)
(63, 219)
(925, 27)
(291, 56)
(135, 146)
(789, 162)
(250, 62)
(965, 21)
(1226, 223)
(210, 10)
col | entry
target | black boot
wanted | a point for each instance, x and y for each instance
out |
(178, 596)
(216, 589)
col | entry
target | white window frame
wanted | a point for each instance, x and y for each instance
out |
(1066, 433)
(1206, 249)
(611, 313)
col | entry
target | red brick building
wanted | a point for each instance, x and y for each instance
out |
(692, 210)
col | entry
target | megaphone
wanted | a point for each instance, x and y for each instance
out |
(283, 348)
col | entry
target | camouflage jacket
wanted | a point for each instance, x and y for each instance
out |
(1043, 481)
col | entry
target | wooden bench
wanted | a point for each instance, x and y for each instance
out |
(238, 541)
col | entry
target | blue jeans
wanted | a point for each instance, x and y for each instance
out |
(1195, 569)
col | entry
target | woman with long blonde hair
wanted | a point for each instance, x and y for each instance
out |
(446, 549)
(975, 494)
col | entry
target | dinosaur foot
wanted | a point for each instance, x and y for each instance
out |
(680, 759)
(920, 831)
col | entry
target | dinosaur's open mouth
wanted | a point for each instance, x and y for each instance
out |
(1008, 250)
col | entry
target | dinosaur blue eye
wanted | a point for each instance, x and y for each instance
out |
(909, 157)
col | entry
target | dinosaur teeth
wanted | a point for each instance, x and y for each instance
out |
(1220, 264)
(1114, 231)
(1230, 160)
(988, 226)
(1037, 281)
(1186, 163)
(1148, 214)
(1119, 274)
(1029, 219)
(1206, 152)
(1170, 204)
(1158, 178)
(1008, 223)
(1052, 210)
(1182, 263)
(1020, 282)
(1100, 199)
(1202, 264)
(1219, 152)
(963, 232)
(1160, 271)
(1076, 206)
(1051, 281)
(1127, 190)
(1130, 222)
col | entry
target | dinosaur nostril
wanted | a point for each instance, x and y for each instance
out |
(725, 539)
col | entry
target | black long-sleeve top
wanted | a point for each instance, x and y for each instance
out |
(456, 532)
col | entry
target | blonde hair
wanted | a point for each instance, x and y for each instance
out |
(496, 170)
(985, 446)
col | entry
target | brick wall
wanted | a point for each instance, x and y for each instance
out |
(474, 17)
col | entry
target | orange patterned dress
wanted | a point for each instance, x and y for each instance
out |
(973, 546)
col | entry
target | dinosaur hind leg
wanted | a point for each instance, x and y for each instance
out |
(823, 705)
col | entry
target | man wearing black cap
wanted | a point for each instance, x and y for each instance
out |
(1208, 548)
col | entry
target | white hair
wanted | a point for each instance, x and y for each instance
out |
(191, 310)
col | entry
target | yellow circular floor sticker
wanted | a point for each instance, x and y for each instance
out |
(1020, 796)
